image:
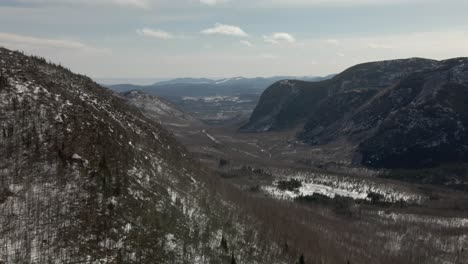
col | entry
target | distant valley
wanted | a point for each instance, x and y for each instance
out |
(214, 101)
(402, 115)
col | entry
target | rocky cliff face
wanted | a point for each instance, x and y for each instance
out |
(284, 105)
(403, 113)
(419, 122)
(290, 103)
(87, 178)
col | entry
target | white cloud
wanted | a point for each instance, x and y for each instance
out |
(147, 32)
(334, 42)
(299, 3)
(433, 45)
(378, 46)
(135, 3)
(221, 29)
(268, 56)
(146, 4)
(212, 2)
(339, 54)
(246, 43)
(277, 38)
(124, 3)
(208, 46)
(28, 42)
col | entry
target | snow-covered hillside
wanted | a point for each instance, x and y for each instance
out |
(87, 178)
(161, 110)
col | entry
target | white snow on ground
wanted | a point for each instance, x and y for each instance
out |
(20, 88)
(330, 185)
(211, 137)
(288, 83)
(76, 157)
(177, 125)
(222, 81)
(310, 189)
(59, 119)
(216, 99)
(171, 244)
(449, 222)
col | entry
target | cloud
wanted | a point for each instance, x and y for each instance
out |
(147, 4)
(268, 56)
(147, 32)
(16, 41)
(281, 37)
(134, 3)
(300, 3)
(378, 46)
(212, 2)
(221, 29)
(124, 3)
(246, 43)
(339, 54)
(334, 42)
(208, 46)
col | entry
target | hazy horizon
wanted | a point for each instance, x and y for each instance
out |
(148, 80)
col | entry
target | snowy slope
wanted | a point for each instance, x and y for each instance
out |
(160, 109)
(87, 178)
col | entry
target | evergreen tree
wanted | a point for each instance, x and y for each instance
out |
(301, 259)
(3, 81)
(286, 247)
(224, 244)
(233, 260)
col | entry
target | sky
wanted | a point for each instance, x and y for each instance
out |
(229, 38)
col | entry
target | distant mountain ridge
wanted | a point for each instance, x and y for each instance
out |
(198, 87)
(400, 113)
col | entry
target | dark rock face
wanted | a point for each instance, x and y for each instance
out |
(284, 105)
(287, 104)
(399, 114)
(426, 125)
(324, 123)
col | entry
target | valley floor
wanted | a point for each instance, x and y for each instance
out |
(369, 216)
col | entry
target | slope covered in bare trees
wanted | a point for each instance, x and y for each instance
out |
(86, 178)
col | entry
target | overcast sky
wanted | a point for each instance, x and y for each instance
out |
(227, 38)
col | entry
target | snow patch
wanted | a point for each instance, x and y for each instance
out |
(76, 157)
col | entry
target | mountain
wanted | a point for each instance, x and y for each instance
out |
(87, 178)
(185, 81)
(289, 103)
(212, 101)
(206, 87)
(399, 114)
(160, 109)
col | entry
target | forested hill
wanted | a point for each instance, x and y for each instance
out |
(87, 178)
